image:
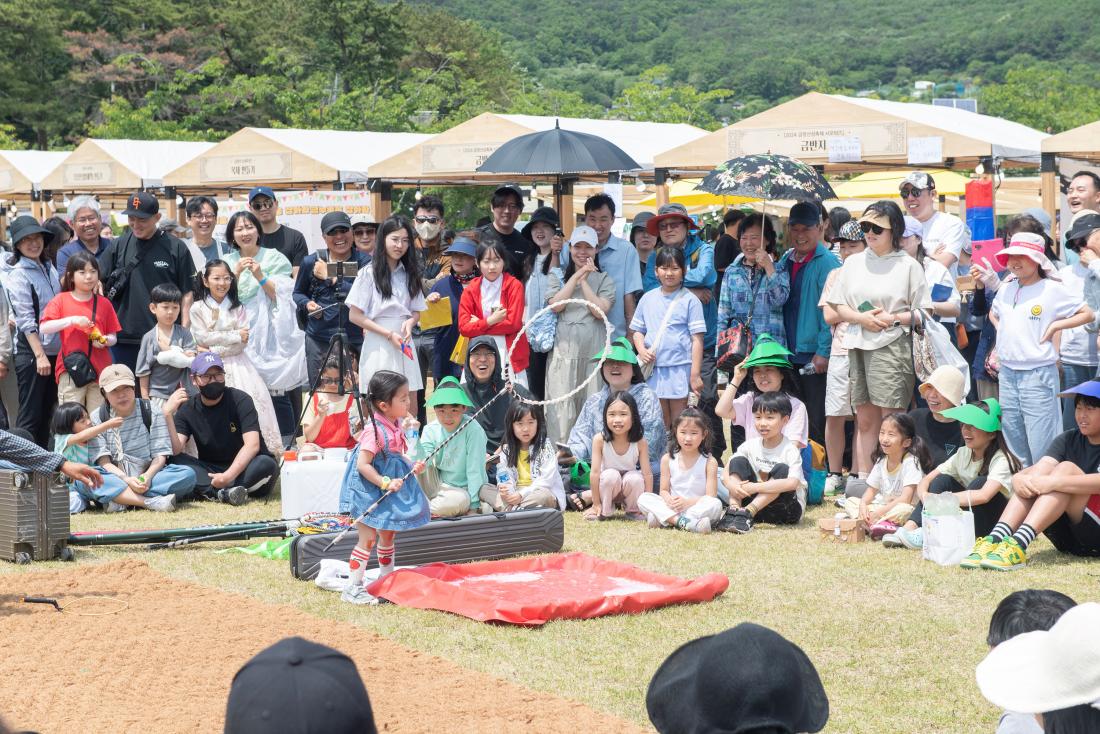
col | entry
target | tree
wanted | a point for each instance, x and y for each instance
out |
(120, 119)
(656, 98)
(1045, 97)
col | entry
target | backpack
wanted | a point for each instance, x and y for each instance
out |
(102, 413)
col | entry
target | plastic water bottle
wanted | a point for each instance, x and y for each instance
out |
(412, 435)
(839, 518)
(808, 369)
(504, 479)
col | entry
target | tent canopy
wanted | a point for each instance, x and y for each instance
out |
(1082, 143)
(121, 165)
(289, 158)
(887, 132)
(455, 154)
(884, 184)
(22, 171)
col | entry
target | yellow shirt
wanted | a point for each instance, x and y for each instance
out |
(523, 469)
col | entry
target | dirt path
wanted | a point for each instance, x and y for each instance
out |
(164, 662)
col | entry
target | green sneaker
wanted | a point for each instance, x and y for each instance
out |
(981, 549)
(1008, 556)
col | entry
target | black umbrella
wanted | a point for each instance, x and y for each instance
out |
(767, 177)
(558, 152)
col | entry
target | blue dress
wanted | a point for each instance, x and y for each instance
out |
(405, 510)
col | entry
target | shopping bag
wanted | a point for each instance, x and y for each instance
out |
(931, 346)
(948, 538)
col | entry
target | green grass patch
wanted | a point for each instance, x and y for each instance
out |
(895, 638)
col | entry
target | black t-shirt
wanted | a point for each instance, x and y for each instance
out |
(942, 439)
(219, 429)
(288, 241)
(161, 259)
(726, 250)
(1072, 446)
(521, 249)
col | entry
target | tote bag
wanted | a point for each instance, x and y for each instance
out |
(948, 538)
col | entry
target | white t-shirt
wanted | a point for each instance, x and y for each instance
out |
(936, 274)
(1078, 344)
(763, 459)
(894, 282)
(947, 230)
(1023, 314)
(365, 296)
(890, 484)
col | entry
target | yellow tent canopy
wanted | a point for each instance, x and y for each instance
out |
(682, 191)
(884, 184)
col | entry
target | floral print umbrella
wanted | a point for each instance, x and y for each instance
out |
(768, 177)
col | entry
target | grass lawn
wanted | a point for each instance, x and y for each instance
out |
(896, 639)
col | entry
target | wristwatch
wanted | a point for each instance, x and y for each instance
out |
(896, 324)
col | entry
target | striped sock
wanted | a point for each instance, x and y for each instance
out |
(385, 559)
(358, 564)
(1024, 536)
(1000, 531)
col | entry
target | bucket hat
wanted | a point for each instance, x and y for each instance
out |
(1028, 244)
(767, 351)
(948, 381)
(668, 211)
(26, 225)
(545, 215)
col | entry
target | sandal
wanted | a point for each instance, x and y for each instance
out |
(574, 499)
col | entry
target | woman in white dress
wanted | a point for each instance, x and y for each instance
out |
(385, 301)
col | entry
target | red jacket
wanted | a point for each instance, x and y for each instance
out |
(471, 324)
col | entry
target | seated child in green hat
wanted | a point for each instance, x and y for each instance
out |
(454, 479)
(979, 474)
(769, 366)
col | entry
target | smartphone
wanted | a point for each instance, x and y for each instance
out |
(866, 306)
(564, 447)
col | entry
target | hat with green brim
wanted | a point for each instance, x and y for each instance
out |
(620, 351)
(972, 414)
(768, 352)
(448, 392)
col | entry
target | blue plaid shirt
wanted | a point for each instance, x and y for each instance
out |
(771, 294)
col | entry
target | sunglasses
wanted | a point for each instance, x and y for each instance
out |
(427, 220)
(869, 227)
(912, 192)
(261, 204)
(670, 224)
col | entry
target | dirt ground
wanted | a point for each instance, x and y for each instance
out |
(158, 655)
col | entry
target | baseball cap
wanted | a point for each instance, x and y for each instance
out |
(806, 214)
(142, 205)
(1083, 226)
(297, 686)
(1040, 215)
(1046, 670)
(116, 375)
(912, 227)
(917, 179)
(201, 364)
(584, 233)
(334, 220)
(362, 219)
(261, 191)
(509, 190)
(850, 231)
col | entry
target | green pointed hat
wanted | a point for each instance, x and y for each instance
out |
(767, 351)
(973, 414)
(621, 351)
(448, 392)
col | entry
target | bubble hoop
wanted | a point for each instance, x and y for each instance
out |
(609, 329)
(509, 388)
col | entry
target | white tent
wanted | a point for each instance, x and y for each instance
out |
(22, 171)
(121, 165)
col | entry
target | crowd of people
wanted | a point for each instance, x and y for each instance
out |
(178, 367)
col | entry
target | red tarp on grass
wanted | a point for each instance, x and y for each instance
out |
(532, 591)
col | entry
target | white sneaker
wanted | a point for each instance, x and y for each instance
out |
(834, 485)
(702, 526)
(651, 520)
(162, 503)
(356, 594)
(113, 506)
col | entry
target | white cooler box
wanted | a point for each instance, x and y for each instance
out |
(312, 486)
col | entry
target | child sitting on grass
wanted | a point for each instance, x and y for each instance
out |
(453, 479)
(899, 462)
(330, 418)
(1058, 495)
(768, 369)
(164, 359)
(620, 460)
(766, 471)
(689, 479)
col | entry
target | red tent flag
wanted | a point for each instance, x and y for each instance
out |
(532, 591)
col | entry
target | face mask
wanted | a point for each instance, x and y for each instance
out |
(212, 390)
(427, 230)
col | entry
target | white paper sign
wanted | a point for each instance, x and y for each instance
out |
(925, 150)
(844, 150)
(615, 191)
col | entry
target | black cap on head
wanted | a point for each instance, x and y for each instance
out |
(1083, 226)
(509, 190)
(745, 679)
(806, 213)
(297, 687)
(141, 204)
(334, 220)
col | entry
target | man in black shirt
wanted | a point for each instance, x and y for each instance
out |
(726, 247)
(287, 240)
(507, 205)
(1058, 495)
(233, 462)
(134, 264)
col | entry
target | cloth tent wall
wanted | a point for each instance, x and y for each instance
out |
(288, 159)
(1079, 144)
(21, 175)
(452, 157)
